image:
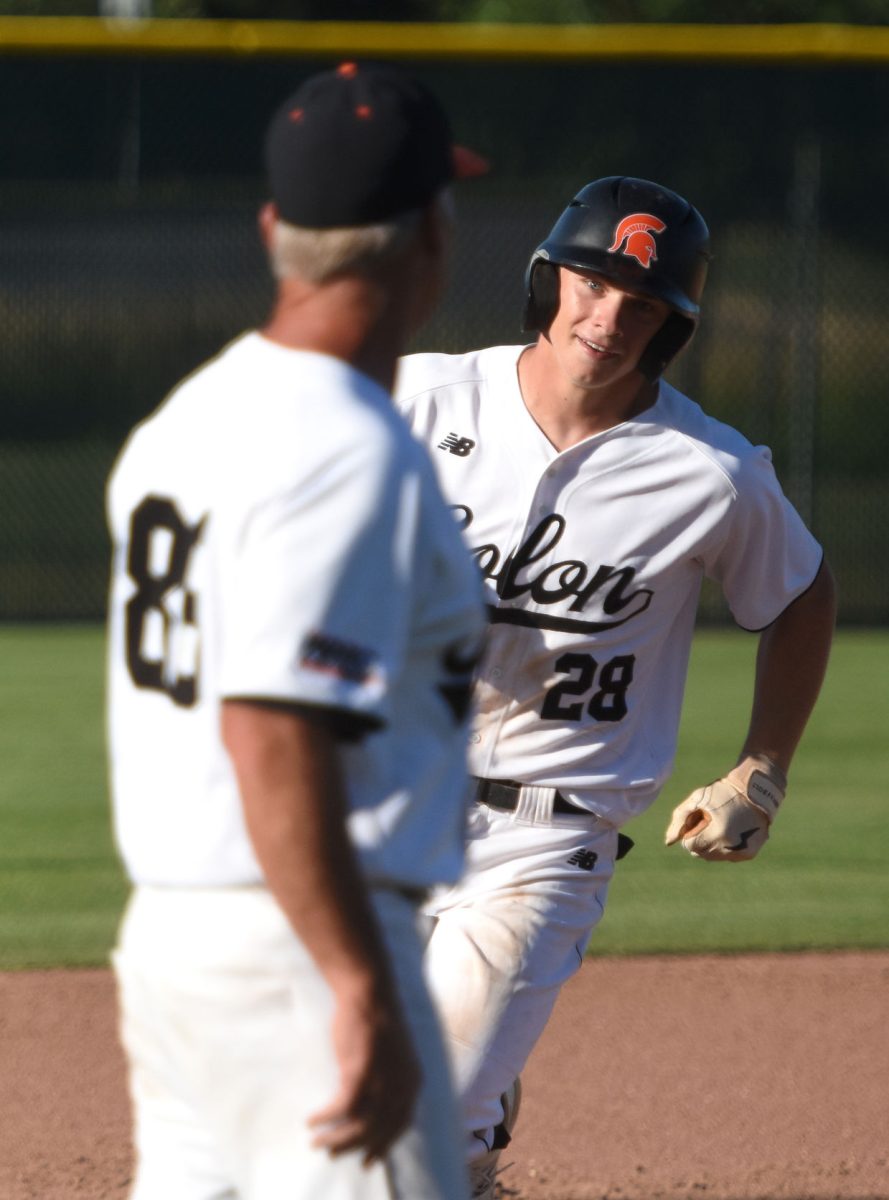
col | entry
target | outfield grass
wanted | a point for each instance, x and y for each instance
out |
(821, 883)
(822, 880)
(61, 888)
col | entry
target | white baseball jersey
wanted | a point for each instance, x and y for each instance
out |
(593, 559)
(279, 535)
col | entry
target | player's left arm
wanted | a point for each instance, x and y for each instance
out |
(790, 667)
(729, 820)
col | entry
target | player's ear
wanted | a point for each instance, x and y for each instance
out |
(267, 220)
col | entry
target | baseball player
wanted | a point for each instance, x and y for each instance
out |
(294, 621)
(595, 498)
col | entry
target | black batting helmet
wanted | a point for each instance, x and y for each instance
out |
(641, 235)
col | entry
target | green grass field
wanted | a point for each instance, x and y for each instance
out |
(821, 883)
(61, 888)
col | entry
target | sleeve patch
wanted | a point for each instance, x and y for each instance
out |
(331, 656)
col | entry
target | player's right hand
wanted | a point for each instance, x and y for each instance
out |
(379, 1081)
(729, 820)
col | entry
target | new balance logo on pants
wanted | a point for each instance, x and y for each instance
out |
(585, 859)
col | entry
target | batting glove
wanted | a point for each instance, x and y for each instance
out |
(728, 821)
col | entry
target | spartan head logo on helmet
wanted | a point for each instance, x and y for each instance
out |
(634, 237)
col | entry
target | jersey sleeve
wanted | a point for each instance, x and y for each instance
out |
(316, 584)
(415, 388)
(766, 557)
(425, 383)
(418, 374)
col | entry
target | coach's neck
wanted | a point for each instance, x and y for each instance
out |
(351, 318)
(364, 318)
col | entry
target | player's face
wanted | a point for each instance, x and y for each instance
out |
(601, 330)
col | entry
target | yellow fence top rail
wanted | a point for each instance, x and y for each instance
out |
(814, 44)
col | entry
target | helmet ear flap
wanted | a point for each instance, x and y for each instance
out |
(675, 333)
(542, 298)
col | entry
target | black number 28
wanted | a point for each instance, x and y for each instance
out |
(161, 544)
(608, 702)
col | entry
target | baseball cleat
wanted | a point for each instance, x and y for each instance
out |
(483, 1171)
(512, 1102)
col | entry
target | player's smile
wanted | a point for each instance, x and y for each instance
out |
(596, 349)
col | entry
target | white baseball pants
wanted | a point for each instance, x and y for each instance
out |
(225, 1021)
(507, 937)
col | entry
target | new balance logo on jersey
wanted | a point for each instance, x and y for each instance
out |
(454, 444)
(585, 859)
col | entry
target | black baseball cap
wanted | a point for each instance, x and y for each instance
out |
(359, 145)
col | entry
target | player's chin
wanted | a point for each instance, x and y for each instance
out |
(597, 376)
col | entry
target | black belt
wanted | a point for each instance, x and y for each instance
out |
(504, 794)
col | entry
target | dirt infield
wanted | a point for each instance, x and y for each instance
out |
(741, 1078)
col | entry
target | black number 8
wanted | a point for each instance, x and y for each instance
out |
(155, 588)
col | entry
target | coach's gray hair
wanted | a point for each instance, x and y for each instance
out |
(316, 255)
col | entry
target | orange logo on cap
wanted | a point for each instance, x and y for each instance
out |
(637, 232)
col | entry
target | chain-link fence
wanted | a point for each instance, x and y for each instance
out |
(128, 254)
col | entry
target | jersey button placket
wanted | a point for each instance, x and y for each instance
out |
(542, 509)
(546, 490)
